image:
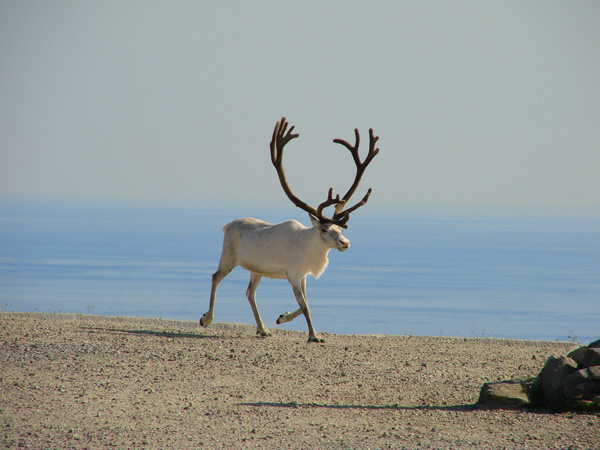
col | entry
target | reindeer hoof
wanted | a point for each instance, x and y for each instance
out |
(318, 339)
(204, 322)
(282, 318)
(263, 333)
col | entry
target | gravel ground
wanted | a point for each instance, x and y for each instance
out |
(79, 381)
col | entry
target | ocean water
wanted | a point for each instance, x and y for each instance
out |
(497, 272)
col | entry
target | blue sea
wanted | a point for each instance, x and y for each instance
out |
(525, 273)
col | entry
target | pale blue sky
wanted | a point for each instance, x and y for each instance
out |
(474, 102)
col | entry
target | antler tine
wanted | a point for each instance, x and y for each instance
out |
(353, 148)
(280, 139)
(343, 216)
(330, 201)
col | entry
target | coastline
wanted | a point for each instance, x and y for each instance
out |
(193, 324)
(85, 381)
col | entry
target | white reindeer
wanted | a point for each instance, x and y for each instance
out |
(288, 249)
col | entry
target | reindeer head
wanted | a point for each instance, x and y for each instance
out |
(281, 136)
(331, 234)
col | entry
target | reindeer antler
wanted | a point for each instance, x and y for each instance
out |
(343, 216)
(281, 136)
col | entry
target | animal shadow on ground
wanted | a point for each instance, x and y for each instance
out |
(166, 334)
(463, 408)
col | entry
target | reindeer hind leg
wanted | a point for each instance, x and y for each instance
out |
(227, 263)
(217, 277)
(288, 316)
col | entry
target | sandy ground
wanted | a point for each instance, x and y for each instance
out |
(75, 381)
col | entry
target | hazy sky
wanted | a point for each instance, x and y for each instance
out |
(474, 102)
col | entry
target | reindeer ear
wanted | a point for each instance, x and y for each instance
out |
(315, 222)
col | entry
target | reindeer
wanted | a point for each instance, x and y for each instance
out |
(289, 249)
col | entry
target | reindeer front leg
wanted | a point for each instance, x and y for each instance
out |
(261, 329)
(299, 287)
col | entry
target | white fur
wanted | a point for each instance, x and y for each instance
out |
(284, 250)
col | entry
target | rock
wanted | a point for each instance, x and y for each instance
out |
(591, 358)
(595, 344)
(548, 388)
(568, 382)
(586, 356)
(583, 384)
(578, 354)
(507, 394)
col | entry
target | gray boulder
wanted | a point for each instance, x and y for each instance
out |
(586, 356)
(591, 358)
(566, 382)
(584, 384)
(505, 394)
(548, 388)
(571, 382)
